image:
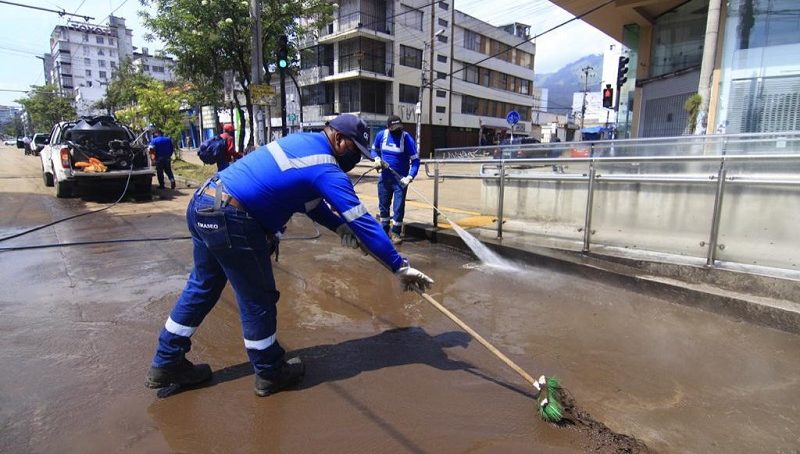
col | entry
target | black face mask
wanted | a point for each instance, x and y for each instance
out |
(349, 160)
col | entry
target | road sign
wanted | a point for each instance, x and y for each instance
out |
(291, 117)
(262, 93)
(513, 117)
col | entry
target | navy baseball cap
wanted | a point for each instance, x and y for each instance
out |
(354, 129)
(394, 123)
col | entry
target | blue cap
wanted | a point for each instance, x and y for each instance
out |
(354, 129)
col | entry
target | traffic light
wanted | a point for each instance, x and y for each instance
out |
(608, 97)
(283, 52)
(622, 71)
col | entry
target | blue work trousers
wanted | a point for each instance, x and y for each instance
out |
(228, 245)
(391, 192)
(164, 165)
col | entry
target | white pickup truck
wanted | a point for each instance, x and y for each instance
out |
(95, 152)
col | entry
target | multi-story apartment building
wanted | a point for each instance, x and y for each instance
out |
(742, 56)
(158, 67)
(376, 54)
(83, 57)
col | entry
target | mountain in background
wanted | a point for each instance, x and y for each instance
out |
(568, 80)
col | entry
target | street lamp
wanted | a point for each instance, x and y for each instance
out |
(418, 109)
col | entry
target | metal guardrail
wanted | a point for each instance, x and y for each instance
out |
(597, 170)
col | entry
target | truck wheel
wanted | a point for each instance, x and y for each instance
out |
(63, 189)
(48, 178)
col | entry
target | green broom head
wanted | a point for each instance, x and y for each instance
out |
(549, 408)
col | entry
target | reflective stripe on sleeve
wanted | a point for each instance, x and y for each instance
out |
(285, 163)
(178, 329)
(354, 213)
(262, 344)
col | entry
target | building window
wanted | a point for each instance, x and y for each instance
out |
(471, 74)
(100, 52)
(87, 61)
(146, 67)
(112, 52)
(113, 64)
(102, 74)
(441, 58)
(87, 51)
(442, 22)
(410, 57)
(100, 40)
(409, 94)
(441, 109)
(441, 75)
(444, 5)
(441, 94)
(410, 17)
(442, 38)
(88, 73)
(101, 63)
(88, 83)
(469, 105)
(472, 40)
(111, 41)
(85, 38)
(158, 69)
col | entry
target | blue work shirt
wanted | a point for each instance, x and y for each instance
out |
(299, 174)
(401, 155)
(163, 146)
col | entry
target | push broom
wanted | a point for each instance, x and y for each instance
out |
(546, 387)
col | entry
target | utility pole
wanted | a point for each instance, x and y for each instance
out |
(422, 86)
(585, 70)
(256, 68)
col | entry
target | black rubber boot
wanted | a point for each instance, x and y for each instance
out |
(183, 373)
(290, 373)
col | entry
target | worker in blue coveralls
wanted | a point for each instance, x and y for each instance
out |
(395, 149)
(234, 218)
(163, 148)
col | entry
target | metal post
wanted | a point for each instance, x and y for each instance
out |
(418, 109)
(284, 129)
(256, 67)
(587, 222)
(501, 190)
(714, 235)
(435, 198)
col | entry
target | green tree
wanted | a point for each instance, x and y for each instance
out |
(692, 107)
(46, 106)
(211, 36)
(157, 105)
(14, 128)
(121, 90)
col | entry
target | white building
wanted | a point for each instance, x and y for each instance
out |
(85, 56)
(372, 58)
(158, 67)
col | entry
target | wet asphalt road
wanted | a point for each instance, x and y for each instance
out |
(386, 372)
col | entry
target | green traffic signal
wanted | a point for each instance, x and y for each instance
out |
(283, 63)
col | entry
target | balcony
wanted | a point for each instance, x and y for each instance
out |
(313, 75)
(357, 24)
(358, 65)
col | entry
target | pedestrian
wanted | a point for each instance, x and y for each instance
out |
(163, 148)
(230, 147)
(233, 219)
(395, 152)
(26, 143)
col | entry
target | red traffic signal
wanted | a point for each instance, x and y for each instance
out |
(608, 97)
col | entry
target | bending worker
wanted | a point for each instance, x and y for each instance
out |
(233, 219)
(395, 149)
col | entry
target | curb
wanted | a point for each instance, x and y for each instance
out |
(755, 309)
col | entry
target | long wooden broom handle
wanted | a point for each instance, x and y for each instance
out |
(477, 337)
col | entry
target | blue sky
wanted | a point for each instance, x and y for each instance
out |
(25, 33)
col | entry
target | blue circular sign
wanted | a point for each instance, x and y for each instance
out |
(513, 117)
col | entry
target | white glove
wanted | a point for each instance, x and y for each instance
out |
(348, 237)
(411, 278)
(405, 181)
(377, 163)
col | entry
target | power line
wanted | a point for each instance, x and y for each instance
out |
(61, 13)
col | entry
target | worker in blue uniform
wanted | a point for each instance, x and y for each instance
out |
(395, 149)
(234, 218)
